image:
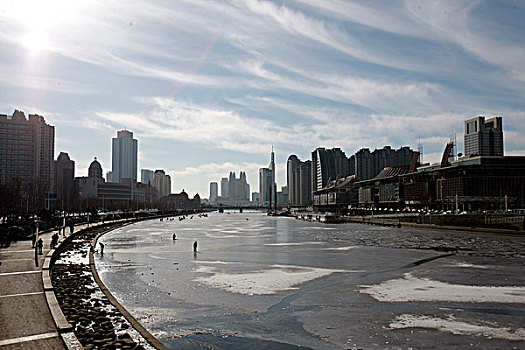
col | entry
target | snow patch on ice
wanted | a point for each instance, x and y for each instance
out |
(292, 243)
(452, 325)
(263, 281)
(412, 288)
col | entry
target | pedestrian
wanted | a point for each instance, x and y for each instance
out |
(174, 236)
(71, 228)
(33, 240)
(101, 248)
(40, 245)
(195, 246)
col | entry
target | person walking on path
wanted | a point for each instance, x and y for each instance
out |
(40, 246)
(71, 228)
(174, 236)
(195, 246)
(33, 240)
(101, 248)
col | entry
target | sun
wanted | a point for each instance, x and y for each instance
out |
(35, 41)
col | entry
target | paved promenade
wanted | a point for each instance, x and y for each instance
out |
(25, 318)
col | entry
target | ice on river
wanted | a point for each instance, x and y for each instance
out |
(270, 280)
(412, 288)
(450, 324)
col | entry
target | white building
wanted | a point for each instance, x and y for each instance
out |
(162, 183)
(124, 157)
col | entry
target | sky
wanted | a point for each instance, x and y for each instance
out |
(208, 87)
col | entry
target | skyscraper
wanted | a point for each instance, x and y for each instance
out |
(146, 176)
(124, 157)
(238, 189)
(162, 182)
(484, 137)
(225, 188)
(27, 148)
(65, 180)
(214, 191)
(267, 186)
(292, 179)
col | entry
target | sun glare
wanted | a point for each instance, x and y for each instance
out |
(35, 41)
(38, 20)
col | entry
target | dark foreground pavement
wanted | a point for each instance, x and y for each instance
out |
(25, 318)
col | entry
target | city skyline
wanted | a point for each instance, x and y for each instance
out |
(208, 89)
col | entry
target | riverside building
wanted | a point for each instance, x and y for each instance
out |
(124, 157)
(27, 148)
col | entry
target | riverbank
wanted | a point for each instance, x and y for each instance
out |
(449, 222)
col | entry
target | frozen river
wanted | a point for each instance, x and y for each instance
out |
(278, 283)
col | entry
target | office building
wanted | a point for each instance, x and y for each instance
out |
(214, 191)
(27, 148)
(238, 188)
(225, 188)
(484, 137)
(124, 157)
(267, 185)
(292, 179)
(147, 176)
(162, 182)
(305, 183)
(255, 196)
(64, 180)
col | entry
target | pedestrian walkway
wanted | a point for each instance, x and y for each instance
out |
(25, 318)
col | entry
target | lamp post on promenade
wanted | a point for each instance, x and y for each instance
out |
(36, 244)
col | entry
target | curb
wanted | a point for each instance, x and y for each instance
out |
(143, 331)
(64, 328)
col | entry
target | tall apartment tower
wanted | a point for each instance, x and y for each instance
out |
(147, 177)
(64, 180)
(328, 164)
(225, 188)
(273, 189)
(267, 185)
(162, 182)
(484, 137)
(292, 179)
(27, 148)
(124, 157)
(214, 191)
(305, 183)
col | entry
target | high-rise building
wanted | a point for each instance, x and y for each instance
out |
(214, 191)
(484, 137)
(238, 188)
(64, 180)
(147, 176)
(225, 188)
(124, 157)
(255, 196)
(162, 182)
(27, 148)
(328, 164)
(369, 164)
(265, 185)
(299, 181)
(305, 183)
(292, 179)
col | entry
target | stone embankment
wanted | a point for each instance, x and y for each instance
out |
(96, 322)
